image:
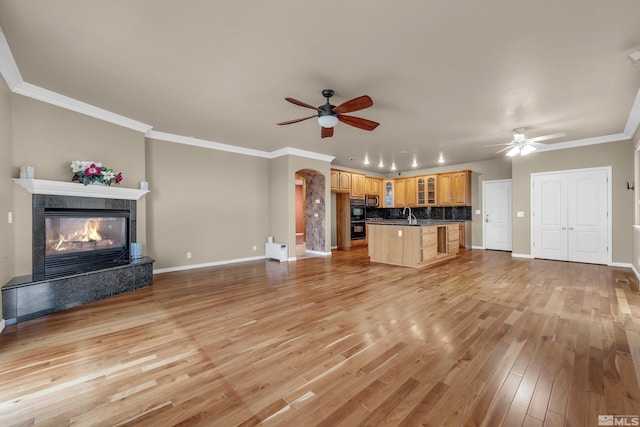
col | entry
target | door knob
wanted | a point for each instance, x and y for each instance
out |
(564, 228)
(570, 228)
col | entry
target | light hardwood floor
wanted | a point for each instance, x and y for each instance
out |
(481, 340)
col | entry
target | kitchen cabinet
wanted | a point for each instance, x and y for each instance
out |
(426, 189)
(405, 192)
(373, 186)
(412, 246)
(387, 199)
(357, 186)
(340, 181)
(454, 188)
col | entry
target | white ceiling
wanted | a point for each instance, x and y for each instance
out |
(446, 77)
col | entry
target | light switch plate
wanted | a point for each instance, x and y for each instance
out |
(520, 214)
(478, 212)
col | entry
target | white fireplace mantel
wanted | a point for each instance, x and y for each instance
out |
(60, 188)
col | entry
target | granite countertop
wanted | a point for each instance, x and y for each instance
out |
(419, 223)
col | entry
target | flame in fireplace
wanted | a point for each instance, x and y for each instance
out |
(89, 233)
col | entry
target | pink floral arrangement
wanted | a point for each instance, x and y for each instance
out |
(87, 172)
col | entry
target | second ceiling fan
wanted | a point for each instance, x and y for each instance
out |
(329, 115)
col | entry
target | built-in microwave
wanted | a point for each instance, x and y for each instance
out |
(372, 200)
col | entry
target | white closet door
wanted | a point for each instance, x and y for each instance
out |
(570, 220)
(497, 215)
(587, 220)
(550, 216)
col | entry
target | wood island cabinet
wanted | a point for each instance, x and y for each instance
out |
(412, 246)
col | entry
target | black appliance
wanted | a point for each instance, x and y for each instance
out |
(357, 210)
(358, 230)
(372, 200)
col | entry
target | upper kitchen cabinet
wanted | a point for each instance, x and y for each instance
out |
(454, 189)
(340, 181)
(405, 192)
(387, 199)
(357, 186)
(373, 186)
(427, 190)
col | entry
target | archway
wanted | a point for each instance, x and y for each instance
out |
(310, 212)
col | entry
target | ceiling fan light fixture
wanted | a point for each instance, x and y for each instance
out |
(327, 121)
(514, 151)
(526, 149)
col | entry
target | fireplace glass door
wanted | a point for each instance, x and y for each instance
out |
(77, 241)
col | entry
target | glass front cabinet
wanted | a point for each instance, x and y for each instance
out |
(427, 190)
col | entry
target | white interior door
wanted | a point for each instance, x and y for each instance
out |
(587, 216)
(550, 216)
(570, 220)
(497, 215)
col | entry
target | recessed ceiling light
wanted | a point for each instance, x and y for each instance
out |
(414, 164)
(393, 166)
(380, 165)
(366, 160)
(441, 159)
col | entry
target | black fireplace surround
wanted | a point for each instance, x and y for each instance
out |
(90, 270)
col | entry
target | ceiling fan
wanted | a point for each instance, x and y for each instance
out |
(522, 145)
(329, 115)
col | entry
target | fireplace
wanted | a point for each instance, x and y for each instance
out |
(81, 237)
(81, 240)
(73, 235)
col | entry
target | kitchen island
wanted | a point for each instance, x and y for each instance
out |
(417, 244)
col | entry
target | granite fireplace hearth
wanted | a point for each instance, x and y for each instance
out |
(81, 237)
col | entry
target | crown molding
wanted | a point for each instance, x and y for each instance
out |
(8, 67)
(290, 151)
(583, 142)
(45, 95)
(634, 117)
(187, 140)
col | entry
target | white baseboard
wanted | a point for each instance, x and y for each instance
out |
(1, 325)
(621, 264)
(334, 247)
(528, 256)
(633, 268)
(206, 264)
(478, 247)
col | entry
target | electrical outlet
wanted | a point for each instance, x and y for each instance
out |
(188, 255)
(399, 233)
(10, 217)
(255, 248)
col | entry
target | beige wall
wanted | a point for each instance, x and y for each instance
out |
(618, 155)
(6, 188)
(49, 138)
(211, 203)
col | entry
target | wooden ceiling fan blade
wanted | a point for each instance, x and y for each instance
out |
(302, 104)
(546, 137)
(326, 133)
(355, 104)
(296, 120)
(358, 122)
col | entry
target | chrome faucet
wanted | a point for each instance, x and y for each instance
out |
(411, 217)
